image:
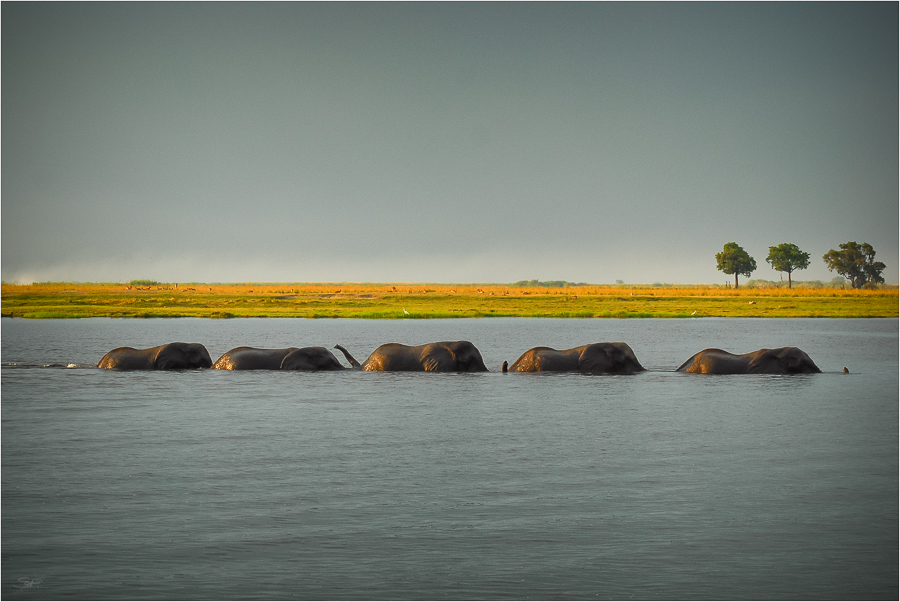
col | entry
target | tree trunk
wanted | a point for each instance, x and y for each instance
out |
(789, 280)
(735, 281)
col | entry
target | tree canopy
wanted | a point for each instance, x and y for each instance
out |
(856, 263)
(735, 260)
(788, 257)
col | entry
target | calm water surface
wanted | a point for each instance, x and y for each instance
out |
(208, 484)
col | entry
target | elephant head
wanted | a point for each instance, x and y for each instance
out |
(182, 356)
(622, 359)
(784, 360)
(467, 356)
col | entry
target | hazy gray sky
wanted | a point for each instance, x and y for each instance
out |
(472, 142)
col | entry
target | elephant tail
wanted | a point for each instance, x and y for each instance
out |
(349, 357)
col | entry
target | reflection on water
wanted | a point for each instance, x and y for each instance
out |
(349, 485)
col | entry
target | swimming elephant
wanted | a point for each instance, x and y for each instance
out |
(598, 358)
(784, 360)
(310, 359)
(174, 356)
(448, 356)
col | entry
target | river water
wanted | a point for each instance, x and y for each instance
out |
(350, 485)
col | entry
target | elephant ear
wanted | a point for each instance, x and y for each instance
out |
(617, 358)
(450, 357)
(298, 359)
(436, 357)
(170, 357)
(597, 363)
(766, 361)
(596, 359)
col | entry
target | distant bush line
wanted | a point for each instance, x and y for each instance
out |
(836, 283)
(548, 283)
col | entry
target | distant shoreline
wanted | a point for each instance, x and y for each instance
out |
(149, 299)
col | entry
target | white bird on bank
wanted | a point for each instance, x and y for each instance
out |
(693, 312)
(405, 312)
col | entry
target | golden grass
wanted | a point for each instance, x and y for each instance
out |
(405, 300)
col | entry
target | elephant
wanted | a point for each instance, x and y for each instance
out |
(310, 359)
(447, 356)
(784, 360)
(174, 356)
(597, 358)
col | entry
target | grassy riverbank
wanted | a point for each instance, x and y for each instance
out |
(398, 301)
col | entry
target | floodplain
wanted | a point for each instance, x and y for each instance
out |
(147, 299)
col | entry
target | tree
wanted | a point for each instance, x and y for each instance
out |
(788, 257)
(735, 260)
(856, 263)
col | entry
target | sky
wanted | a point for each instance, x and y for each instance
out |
(432, 142)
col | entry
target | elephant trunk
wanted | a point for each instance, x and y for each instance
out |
(504, 368)
(350, 358)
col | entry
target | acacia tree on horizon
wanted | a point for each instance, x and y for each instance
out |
(856, 263)
(735, 260)
(788, 257)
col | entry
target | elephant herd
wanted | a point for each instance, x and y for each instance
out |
(453, 356)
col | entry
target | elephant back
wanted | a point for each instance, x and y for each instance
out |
(391, 357)
(707, 361)
(252, 358)
(783, 360)
(124, 358)
(544, 359)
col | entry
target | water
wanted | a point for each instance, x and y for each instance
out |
(349, 485)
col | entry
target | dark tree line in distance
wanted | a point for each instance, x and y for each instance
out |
(855, 262)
